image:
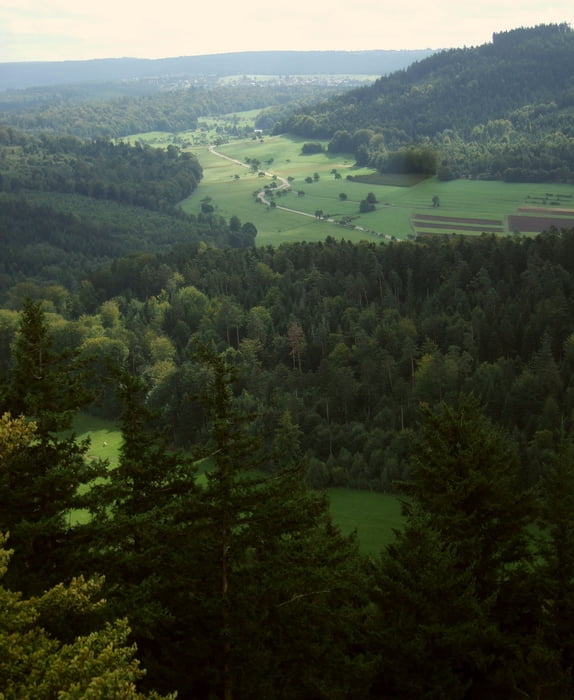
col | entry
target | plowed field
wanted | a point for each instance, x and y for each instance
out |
(537, 224)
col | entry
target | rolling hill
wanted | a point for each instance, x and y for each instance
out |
(503, 110)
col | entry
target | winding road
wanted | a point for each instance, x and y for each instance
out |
(261, 195)
(284, 185)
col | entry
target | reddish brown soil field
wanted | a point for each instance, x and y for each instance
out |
(451, 225)
(537, 224)
(448, 219)
(548, 210)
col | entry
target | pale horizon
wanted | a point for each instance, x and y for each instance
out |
(65, 30)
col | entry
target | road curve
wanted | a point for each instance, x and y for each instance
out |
(284, 185)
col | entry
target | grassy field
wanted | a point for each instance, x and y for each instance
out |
(105, 438)
(372, 515)
(231, 188)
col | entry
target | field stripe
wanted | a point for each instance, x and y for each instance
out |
(463, 220)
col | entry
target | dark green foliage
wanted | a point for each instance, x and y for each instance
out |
(502, 110)
(466, 477)
(138, 175)
(98, 111)
(557, 570)
(365, 206)
(241, 587)
(460, 583)
(139, 537)
(308, 148)
(431, 631)
(40, 484)
(409, 161)
(238, 584)
(380, 328)
(281, 588)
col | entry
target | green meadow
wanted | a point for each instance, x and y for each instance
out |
(231, 188)
(372, 515)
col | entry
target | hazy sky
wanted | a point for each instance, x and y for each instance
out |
(43, 30)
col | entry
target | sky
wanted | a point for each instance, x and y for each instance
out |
(57, 30)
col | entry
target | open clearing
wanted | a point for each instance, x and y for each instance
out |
(372, 515)
(466, 207)
(404, 207)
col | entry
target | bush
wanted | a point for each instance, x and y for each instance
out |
(309, 148)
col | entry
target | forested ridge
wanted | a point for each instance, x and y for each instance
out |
(92, 112)
(502, 110)
(149, 177)
(69, 205)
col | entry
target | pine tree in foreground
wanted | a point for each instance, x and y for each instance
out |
(36, 664)
(282, 595)
(459, 586)
(42, 483)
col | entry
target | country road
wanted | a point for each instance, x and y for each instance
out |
(261, 195)
(284, 185)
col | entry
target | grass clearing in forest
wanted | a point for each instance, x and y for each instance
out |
(373, 515)
(105, 437)
(402, 201)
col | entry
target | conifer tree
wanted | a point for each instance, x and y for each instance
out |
(466, 476)
(465, 486)
(431, 631)
(139, 536)
(36, 664)
(557, 569)
(283, 592)
(41, 484)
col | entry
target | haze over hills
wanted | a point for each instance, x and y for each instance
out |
(35, 74)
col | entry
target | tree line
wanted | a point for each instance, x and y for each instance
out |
(138, 175)
(89, 114)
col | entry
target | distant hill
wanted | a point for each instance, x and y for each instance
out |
(36, 74)
(503, 110)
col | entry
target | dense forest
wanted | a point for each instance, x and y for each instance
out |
(342, 341)
(89, 112)
(69, 205)
(235, 582)
(503, 110)
(247, 380)
(152, 178)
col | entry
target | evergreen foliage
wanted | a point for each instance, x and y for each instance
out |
(280, 587)
(138, 537)
(37, 664)
(442, 368)
(501, 111)
(459, 586)
(41, 482)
